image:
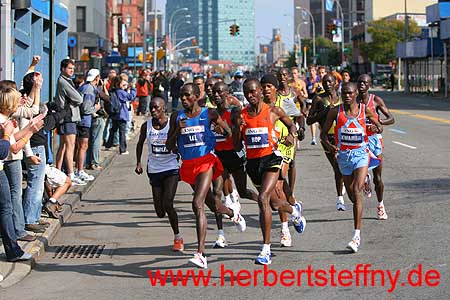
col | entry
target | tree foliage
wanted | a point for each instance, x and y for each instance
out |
(385, 36)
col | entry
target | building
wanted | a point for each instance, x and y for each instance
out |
(87, 27)
(209, 22)
(277, 50)
(26, 32)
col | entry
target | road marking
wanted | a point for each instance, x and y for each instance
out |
(420, 116)
(405, 145)
(397, 130)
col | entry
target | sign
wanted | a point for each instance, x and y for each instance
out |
(72, 41)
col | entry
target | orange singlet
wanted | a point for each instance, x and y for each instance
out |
(259, 136)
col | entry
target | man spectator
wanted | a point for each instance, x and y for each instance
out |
(144, 89)
(175, 87)
(88, 108)
(68, 98)
(237, 87)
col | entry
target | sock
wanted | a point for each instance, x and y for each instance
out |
(285, 226)
(72, 175)
(235, 195)
(221, 233)
(340, 199)
(357, 234)
(266, 248)
(295, 213)
(177, 236)
(52, 200)
(381, 203)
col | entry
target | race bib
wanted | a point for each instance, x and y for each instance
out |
(193, 136)
(351, 136)
(256, 138)
(159, 149)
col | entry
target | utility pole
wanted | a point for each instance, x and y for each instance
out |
(5, 40)
(155, 36)
(144, 42)
(51, 60)
(406, 41)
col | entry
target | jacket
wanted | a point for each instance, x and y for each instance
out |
(68, 98)
(125, 98)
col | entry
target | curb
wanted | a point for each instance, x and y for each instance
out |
(15, 272)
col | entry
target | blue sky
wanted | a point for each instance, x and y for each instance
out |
(269, 14)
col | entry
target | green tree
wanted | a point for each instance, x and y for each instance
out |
(385, 36)
(327, 52)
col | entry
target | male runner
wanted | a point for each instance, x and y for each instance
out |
(376, 104)
(162, 166)
(190, 130)
(351, 148)
(254, 125)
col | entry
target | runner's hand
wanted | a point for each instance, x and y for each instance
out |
(139, 169)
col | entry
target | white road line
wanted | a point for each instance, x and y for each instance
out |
(405, 145)
(397, 130)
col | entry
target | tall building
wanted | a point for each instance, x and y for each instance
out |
(210, 23)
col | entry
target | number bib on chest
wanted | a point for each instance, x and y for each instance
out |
(351, 136)
(256, 138)
(193, 136)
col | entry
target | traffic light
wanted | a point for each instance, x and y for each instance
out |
(237, 29)
(194, 42)
(331, 28)
(234, 30)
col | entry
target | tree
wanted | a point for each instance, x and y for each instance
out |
(385, 36)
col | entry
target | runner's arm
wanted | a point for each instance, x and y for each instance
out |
(174, 130)
(376, 125)
(237, 123)
(221, 126)
(389, 118)
(139, 146)
(331, 116)
(281, 115)
(315, 111)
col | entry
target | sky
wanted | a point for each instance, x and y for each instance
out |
(279, 12)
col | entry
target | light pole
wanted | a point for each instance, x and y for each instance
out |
(338, 5)
(314, 29)
(170, 31)
(300, 42)
(173, 38)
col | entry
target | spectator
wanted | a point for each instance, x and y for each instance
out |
(175, 86)
(237, 87)
(68, 98)
(56, 185)
(144, 89)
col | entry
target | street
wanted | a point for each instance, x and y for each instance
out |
(412, 243)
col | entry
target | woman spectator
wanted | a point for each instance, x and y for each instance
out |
(144, 89)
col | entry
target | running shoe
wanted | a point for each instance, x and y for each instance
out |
(340, 206)
(264, 258)
(286, 240)
(382, 215)
(199, 260)
(367, 188)
(84, 176)
(239, 221)
(299, 222)
(354, 244)
(178, 245)
(77, 181)
(221, 242)
(313, 142)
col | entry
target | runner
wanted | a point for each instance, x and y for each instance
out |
(376, 104)
(162, 166)
(318, 113)
(190, 130)
(351, 149)
(254, 124)
(299, 87)
(311, 87)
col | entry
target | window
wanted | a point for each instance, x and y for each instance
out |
(81, 18)
(128, 20)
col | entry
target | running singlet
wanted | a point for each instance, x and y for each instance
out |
(159, 158)
(371, 105)
(223, 143)
(258, 133)
(196, 139)
(350, 132)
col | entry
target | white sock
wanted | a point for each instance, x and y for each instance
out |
(72, 175)
(357, 234)
(285, 226)
(235, 195)
(295, 213)
(177, 236)
(340, 199)
(266, 248)
(221, 233)
(381, 203)
(52, 200)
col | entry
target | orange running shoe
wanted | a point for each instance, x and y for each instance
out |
(178, 245)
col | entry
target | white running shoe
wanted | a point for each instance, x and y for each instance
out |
(264, 258)
(354, 244)
(84, 176)
(77, 181)
(221, 242)
(125, 153)
(199, 260)
(239, 221)
(340, 206)
(382, 215)
(299, 222)
(286, 240)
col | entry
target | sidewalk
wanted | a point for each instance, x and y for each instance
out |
(15, 272)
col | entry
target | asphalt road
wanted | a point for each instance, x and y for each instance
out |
(118, 213)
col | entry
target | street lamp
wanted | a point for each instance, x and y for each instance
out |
(300, 41)
(313, 26)
(172, 37)
(170, 29)
(338, 5)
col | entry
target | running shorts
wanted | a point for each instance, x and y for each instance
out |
(156, 179)
(230, 160)
(257, 166)
(192, 167)
(351, 160)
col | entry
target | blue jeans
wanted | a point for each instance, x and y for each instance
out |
(7, 230)
(107, 130)
(175, 103)
(13, 170)
(32, 202)
(129, 124)
(122, 127)
(95, 141)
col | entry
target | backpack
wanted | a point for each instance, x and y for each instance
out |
(113, 106)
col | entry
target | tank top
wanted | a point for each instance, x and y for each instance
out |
(287, 103)
(223, 143)
(159, 158)
(371, 105)
(327, 103)
(350, 132)
(258, 132)
(196, 139)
